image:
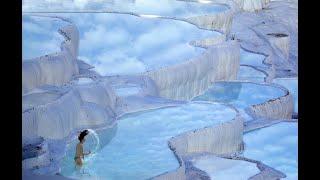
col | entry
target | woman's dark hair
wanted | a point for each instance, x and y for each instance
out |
(83, 134)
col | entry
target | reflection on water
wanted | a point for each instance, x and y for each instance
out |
(247, 73)
(125, 44)
(153, 7)
(276, 146)
(240, 94)
(222, 92)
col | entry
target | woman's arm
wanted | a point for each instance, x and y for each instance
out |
(89, 152)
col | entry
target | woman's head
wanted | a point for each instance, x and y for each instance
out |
(82, 135)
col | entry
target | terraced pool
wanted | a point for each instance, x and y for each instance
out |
(240, 94)
(151, 7)
(139, 149)
(276, 146)
(292, 85)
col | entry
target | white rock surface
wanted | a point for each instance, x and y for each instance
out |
(187, 80)
(220, 168)
(53, 69)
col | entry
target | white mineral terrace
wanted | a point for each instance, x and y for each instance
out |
(292, 85)
(193, 89)
(40, 36)
(221, 168)
(252, 59)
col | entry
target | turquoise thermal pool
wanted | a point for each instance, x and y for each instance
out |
(40, 36)
(240, 94)
(122, 44)
(139, 148)
(292, 85)
(275, 146)
(247, 73)
(150, 7)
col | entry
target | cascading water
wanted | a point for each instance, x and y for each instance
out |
(92, 140)
(92, 144)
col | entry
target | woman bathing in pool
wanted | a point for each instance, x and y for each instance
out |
(79, 149)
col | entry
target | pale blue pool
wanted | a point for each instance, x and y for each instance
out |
(139, 149)
(252, 59)
(127, 90)
(119, 44)
(276, 146)
(247, 73)
(154, 7)
(240, 94)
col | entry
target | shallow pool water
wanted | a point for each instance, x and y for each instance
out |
(292, 85)
(84, 81)
(247, 73)
(276, 146)
(139, 149)
(154, 7)
(119, 44)
(40, 36)
(127, 90)
(253, 59)
(240, 94)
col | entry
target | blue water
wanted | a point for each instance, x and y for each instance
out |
(154, 7)
(247, 73)
(40, 36)
(118, 44)
(139, 149)
(240, 94)
(84, 81)
(276, 146)
(127, 90)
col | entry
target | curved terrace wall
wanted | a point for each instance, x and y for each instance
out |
(278, 108)
(220, 22)
(252, 5)
(282, 43)
(189, 79)
(205, 43)
(86, 105)
(225, 138)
